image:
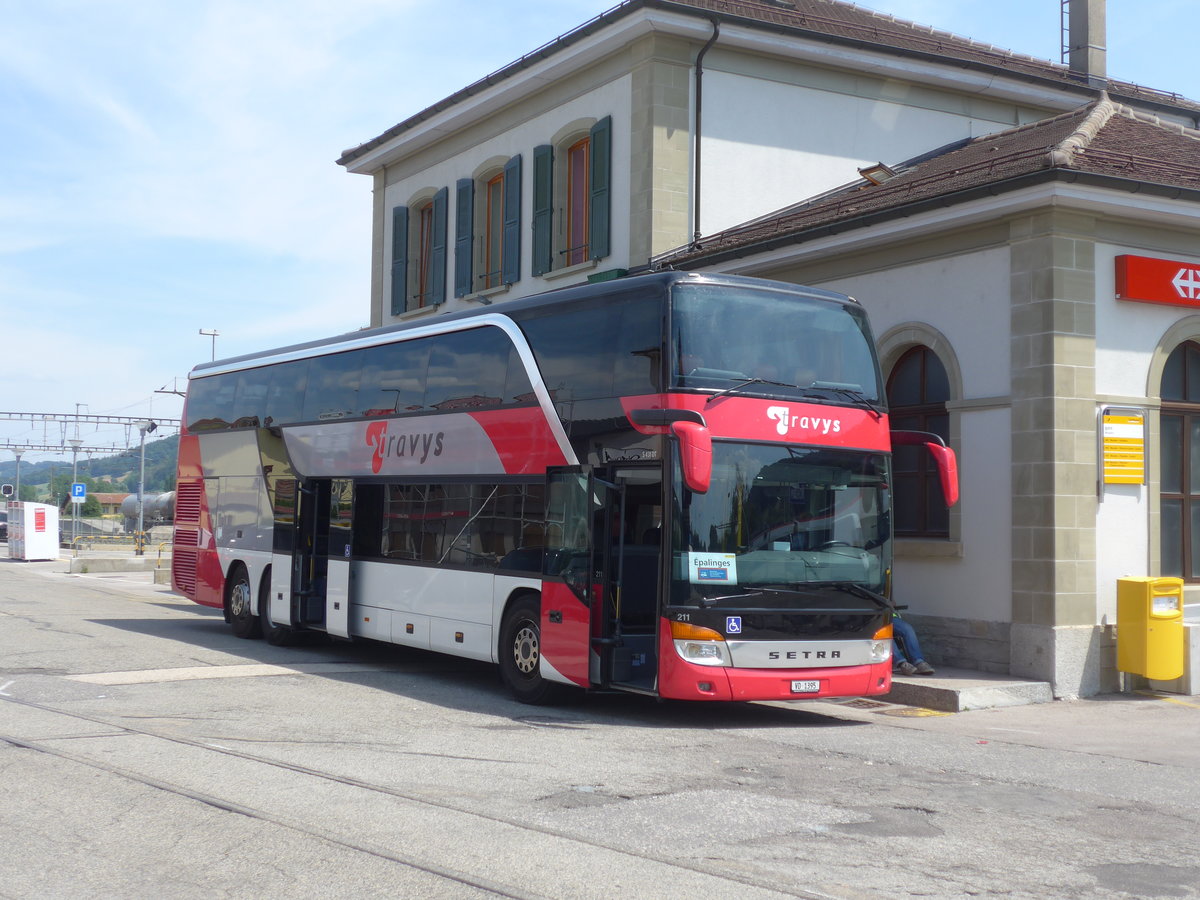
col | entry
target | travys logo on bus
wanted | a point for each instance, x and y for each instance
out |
(416, 445)
(785, 421)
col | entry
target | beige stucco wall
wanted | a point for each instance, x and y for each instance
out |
(776, 131)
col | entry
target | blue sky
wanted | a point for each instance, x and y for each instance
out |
(169, 167)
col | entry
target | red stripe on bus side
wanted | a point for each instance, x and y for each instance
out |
(522, 439)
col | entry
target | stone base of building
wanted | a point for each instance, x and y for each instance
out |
(1078, 661)
(964, 643)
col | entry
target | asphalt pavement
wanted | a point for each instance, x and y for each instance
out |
(146, 750)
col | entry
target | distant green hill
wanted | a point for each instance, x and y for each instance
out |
(117, 473)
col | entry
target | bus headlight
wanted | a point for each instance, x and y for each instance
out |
(881, 645)
(701, 646)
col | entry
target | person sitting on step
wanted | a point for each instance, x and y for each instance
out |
(906, 651)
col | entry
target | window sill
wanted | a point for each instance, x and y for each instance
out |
(485, 295)
(921, 548)
(418, 312)
(555, 274)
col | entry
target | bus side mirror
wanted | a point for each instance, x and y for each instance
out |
(947, 466)
(695, 454)
(943, 458)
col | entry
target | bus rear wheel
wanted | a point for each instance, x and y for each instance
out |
(521, 653)
(241, 604)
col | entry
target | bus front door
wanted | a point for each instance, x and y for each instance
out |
(321, 556)
(584, 629)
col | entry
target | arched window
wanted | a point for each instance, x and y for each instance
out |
(1179, 456)
(418, 271)
(917, 391)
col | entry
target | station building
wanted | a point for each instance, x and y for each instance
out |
(1023, 234)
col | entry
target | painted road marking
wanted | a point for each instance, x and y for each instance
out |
(196, 673)
(913, 712)
(1174, 700)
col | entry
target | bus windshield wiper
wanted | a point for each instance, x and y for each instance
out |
(857, 590)
(712, 601)
(851, 391)
(747, 382)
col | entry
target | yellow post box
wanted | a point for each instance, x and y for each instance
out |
(1150, 627)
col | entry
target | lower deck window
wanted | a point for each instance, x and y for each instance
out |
(477, 526)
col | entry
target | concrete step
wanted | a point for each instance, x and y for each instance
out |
(957, 690)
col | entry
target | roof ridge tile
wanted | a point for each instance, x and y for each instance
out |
(1102, 110)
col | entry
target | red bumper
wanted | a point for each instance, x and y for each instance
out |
(680, 680)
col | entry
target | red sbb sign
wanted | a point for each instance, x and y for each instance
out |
(1148, 280)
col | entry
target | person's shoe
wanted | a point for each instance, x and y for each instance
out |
(904, 668)
(924, 668)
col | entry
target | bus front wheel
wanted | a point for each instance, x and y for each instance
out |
(521, 653)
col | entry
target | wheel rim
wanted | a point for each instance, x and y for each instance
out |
(239, 599)
(525, 649)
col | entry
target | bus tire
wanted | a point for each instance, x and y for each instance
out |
(520, 653)
(239, 599)
(278, 635)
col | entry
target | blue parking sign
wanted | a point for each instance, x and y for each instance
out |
(78, 492)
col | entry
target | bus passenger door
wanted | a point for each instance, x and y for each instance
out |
(321, 558)
(337, 592)
(576, 594)
(284, 493)
(635, 564)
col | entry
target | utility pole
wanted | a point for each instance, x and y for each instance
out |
(212, 334)
(74, 442)
(144, 426)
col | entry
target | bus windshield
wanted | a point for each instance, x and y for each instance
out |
(782, 519)
(800, 345)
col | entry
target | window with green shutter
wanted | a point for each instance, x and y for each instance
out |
(464, 213)
(600, 200)
(543, 209)
(511, 252)
(399, 259)
(437, 253)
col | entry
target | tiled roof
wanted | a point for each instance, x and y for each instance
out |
(823, 19)
(849, 22)
(1103, 139)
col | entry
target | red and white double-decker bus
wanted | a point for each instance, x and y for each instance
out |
(672, 484)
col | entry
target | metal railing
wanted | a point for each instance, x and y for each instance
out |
(136, 540)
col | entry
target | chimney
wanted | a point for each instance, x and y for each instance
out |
(1086, 40)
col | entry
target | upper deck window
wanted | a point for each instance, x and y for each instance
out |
(724, 335)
